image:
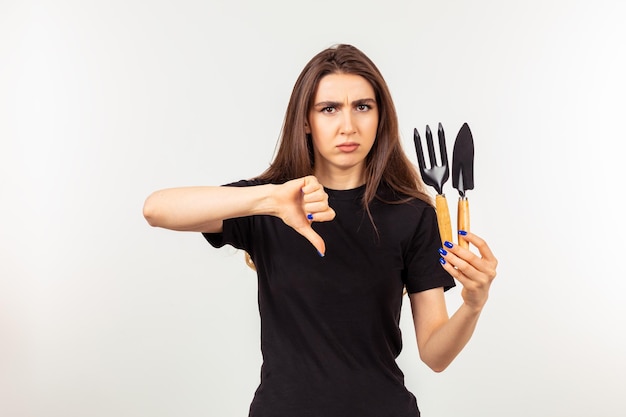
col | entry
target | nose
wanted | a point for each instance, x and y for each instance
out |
(347, 126)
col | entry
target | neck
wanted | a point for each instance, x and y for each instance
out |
(337, 179)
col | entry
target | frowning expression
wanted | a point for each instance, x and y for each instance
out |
(342, 122)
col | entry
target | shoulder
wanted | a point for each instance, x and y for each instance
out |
(403, 214)
(387, 196)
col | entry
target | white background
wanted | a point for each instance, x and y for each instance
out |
(102, 103)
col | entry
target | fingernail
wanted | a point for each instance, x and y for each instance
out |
(447, 244)
(309, 216)
(320, 254)
(462, 232)
(443, 251)
(442, 261)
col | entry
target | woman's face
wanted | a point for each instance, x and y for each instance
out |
(342, 122)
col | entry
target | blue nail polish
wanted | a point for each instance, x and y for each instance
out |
(320, 254)
(442, 261)
(443, 251)
(462, 232)
(309, 216)
(447, 244)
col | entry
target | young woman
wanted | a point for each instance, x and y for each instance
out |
(339, 227)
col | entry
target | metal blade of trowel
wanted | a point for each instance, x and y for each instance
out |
(463, 176)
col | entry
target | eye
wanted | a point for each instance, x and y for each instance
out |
(363, 107)
(328, 109)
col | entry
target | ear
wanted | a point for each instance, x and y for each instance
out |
(307, 128)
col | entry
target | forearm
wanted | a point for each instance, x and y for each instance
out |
(203, 209)
(447, 341)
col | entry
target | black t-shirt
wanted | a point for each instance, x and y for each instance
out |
(330, 331)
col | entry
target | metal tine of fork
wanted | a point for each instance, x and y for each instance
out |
(442, 147)
(418, 148)
(431, 147)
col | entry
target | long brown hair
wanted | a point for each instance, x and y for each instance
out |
(386, 161)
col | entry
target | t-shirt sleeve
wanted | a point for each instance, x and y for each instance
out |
(236, 231)
(422, 268)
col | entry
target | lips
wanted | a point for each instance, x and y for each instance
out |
(348, 147)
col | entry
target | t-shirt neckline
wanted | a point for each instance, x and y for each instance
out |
(349, 194)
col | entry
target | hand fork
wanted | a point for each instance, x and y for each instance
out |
(436, 176)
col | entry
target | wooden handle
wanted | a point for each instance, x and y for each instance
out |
(443, 218)
(463, 220)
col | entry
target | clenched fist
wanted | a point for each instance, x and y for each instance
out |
(301, 202)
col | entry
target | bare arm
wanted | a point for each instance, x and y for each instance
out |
(203, 209)
(439, 338)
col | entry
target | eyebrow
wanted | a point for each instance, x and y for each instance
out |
(339, 104)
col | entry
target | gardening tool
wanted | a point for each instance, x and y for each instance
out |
(463, 176)
(435, 176)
